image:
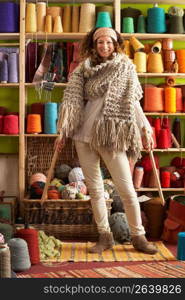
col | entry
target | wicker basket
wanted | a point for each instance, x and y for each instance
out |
(65, 219)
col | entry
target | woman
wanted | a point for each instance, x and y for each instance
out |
(102, 114)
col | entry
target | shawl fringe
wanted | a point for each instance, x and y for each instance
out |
(117, 135)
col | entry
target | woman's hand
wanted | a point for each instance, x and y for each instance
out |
(147, 140)
(59, 143)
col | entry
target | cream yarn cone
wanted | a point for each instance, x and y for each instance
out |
(87, 17)
(57, 28)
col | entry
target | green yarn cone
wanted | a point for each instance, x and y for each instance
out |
(103, 19)
(141, 26)
(128, 25)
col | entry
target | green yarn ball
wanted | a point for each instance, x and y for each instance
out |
(119, 227)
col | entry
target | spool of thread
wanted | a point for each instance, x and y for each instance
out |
(157, 125)
(156, 48)
(165, 179)
(57, 28)
(13, 68)
(37, 177)
(54, 11)
(4, 71)
(179, 100)
(34, 123)
(38, 108)
(166, 125)
(140, 62)
(181, 60)
(106, 8)
(9, 20)
(87, 17)
(48, 24)
(153, 99)
(132, 13)
(138, 177)
(163, 139)
(156, 22)
(5, 269)
(41, 15)
(103, 19)
(181, 246)
(155, 63)
(141, 24)
(20, 259)
(170, 100)
(177, 130)
(176, 24)
(7, 231)
(50, 118)
(136, 44)
(127, 49)
(75, 18)
(1, 124)
(31, 18)
(167, 44)
(128, 25)
(67, 18)
(169, 59)
(11, 124)
(31, 237)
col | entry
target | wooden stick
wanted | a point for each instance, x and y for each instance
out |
(53, 162)
(156, 176)
(175, 141)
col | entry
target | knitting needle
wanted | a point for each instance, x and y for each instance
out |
(156, 176)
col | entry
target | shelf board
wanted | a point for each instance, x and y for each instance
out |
(37, 135)
(56, 84)
(152, 1)
(56, 36)
(180, 75)
(151, 36)
(167, 150)
(164, 114)
(9, 36)
(9, 135)
(142, 189)
(9, 85)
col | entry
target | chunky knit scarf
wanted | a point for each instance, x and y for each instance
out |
(117, 81)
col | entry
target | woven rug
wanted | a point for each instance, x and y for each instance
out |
(175, 269)
(78, 252)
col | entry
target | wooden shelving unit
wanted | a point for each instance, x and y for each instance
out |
(20, 39)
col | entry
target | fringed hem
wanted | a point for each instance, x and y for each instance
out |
(116, 136)
(70, 119)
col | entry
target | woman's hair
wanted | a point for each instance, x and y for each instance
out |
(88, 47)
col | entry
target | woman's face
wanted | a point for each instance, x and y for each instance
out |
(105, 46)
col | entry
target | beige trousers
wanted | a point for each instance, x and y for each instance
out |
(119, 169)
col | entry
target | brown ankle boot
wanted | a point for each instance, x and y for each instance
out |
(106, 241)
(140, 243)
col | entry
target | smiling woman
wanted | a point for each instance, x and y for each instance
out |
(101, 113)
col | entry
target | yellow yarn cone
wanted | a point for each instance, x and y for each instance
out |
(57, 28)
(48, 24)
(31, 19)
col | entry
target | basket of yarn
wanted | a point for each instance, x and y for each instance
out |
(66, 212)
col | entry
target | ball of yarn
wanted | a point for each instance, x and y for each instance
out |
(76, 174)
(80, 185)
(2, 240)
(69, 192)
(56, 182)
(20, 259)
(5, 261)
(53, 193)
(117, 204)
(37, 177)
(119, 227)
(62, 172)
(36, 190)
(7, 231)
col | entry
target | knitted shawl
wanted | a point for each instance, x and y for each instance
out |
(116, 80)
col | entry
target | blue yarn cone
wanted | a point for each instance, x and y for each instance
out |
(103, 19)
(181, 246)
